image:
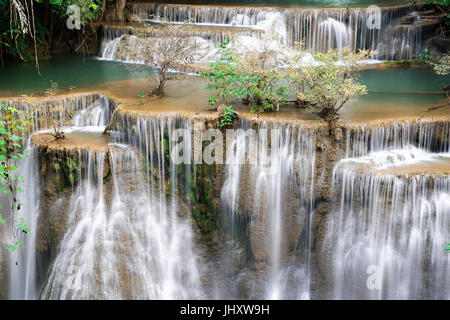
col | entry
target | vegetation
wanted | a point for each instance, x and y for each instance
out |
(222, 76)
(165, 50)
(327, 85)
(425, 54)
(26, 25)
(53, 113)
(260, 77)
(227, 116)
(255, 78)
(442, 67)
(10, 146)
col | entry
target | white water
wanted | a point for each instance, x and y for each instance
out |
(266, 189)
(133, 247)
(128, 237)
(395, 226)
(22, 262)
(318, 29)
(90, 110)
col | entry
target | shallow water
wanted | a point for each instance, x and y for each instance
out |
(23, 78)
(393, 92)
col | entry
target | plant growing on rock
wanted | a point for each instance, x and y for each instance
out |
(328, 84)
(227, 115)
(10, 146)
(166, 50)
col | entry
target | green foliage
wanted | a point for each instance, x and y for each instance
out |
(10, 146)
(227, 116)
(442, 65)
(260, 79)
(425, 54)
(20, 29)
(255, 78)
(142, 95)
(327, 85)
(448, 248)
(444, 3)
(222, 75)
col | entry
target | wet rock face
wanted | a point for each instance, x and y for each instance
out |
(114, 10)
(285, 211)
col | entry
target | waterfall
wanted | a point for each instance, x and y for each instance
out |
(387, 230)
(139, 241)
(89, 110)
(22, 262)
(275, 189)
(79, 110)
(131, 248)
(367, 217)
(318, 29)
(424, 134)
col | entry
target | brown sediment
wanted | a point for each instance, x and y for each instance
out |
(188, 96)
(73, 141)
(437, 167)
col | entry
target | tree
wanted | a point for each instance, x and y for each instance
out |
(166, 50)
(442, 67)
(260, 77)
(326, 85)
(255, 78)
(53, 113)
(222, 76)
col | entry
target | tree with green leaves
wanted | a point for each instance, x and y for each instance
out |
(222, 76)
(260, 80)
(328, 84)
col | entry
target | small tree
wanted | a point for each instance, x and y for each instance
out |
(328, 84)
(222, 76)
(260, 77)
(53, 114)
(255, 78)
(167, 49)
(442, 67)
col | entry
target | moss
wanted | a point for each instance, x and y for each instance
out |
(55, 166)
(404, 63)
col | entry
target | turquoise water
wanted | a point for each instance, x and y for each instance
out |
(74, 71)
(401, 89)
(403, 80)
(23, 78)
(289, 3)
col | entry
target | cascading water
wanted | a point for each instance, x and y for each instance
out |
(275, 188)
(387, 230)
(131, 246)
(22, 262)
(89, 110)
(79, 109)
(129, 230)
(318, 29)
